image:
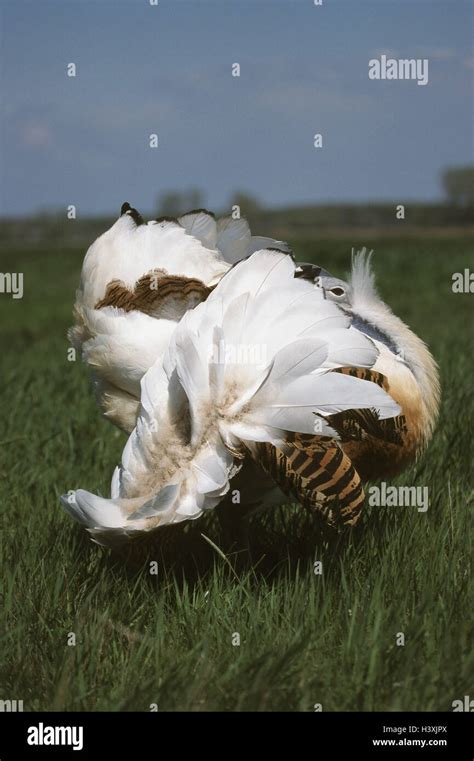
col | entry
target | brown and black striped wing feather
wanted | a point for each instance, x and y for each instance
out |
(316, 472)
(356, 425)
(156, 294)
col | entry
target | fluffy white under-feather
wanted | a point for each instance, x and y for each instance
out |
(411, 358)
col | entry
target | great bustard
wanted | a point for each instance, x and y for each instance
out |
(335, 385)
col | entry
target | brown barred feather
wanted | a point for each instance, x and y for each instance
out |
(357, 425)
(318, 471)
(364, 373)
(315, 471)
(156, 294)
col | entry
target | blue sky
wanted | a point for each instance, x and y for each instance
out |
(167, 70)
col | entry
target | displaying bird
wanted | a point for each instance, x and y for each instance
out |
(204, 408)
(270, 375)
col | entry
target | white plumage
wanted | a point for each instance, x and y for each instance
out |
(201, 412)
(224, 360)
(120, 345)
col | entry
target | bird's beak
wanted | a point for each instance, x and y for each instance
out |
(317, 284)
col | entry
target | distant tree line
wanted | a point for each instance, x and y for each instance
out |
(458, 184)
(311, 221)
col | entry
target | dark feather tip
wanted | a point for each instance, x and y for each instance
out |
(310, 271)
(136, 216)
(133, 213)
(200, 211)
(167, 219)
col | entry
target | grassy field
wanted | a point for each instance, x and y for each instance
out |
(167, 639)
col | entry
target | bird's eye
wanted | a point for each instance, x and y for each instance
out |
(338, 291)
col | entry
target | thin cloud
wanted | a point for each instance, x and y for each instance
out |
(35, 135)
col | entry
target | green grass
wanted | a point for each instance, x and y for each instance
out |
(167, 639)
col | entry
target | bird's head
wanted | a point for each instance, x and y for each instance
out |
(334, 288)
(356, 294)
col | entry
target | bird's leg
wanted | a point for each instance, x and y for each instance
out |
(234, 525)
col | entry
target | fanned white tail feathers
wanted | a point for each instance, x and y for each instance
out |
(249, 364)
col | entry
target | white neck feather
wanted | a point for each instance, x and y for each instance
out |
(367, 304)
